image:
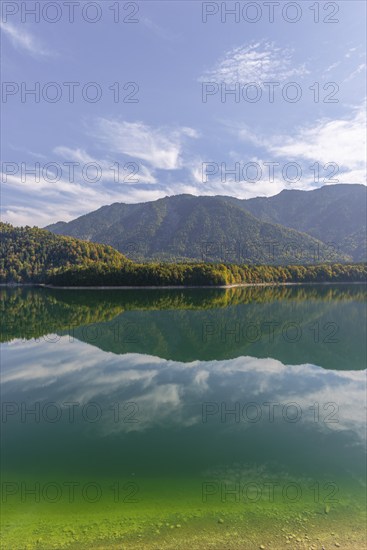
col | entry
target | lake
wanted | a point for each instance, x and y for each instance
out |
(188, 418)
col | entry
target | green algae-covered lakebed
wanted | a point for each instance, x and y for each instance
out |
(184, 419)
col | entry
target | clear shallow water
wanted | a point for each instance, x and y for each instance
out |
(229, 413)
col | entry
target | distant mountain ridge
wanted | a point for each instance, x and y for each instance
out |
(327, 224)
(333, 214)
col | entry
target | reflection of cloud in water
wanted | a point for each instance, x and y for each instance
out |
(169, 392)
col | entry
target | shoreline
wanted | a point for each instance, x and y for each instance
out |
(178, 287)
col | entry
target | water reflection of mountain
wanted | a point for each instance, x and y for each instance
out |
(322, 325)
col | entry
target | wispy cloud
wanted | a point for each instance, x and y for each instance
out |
(41, 203)
(77, 155)
(24, 40)
(108, 166)
(265, 182)
(47, 198)
(340, 140)
(332, 66)
(361, 68)
(125, 171)
(349, 52)
(255, 62)
(158, 29)
(159, 147)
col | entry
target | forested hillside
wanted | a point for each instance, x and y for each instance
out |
(333, 214)
(186, 228)
(168, 274)
(38, 256)
(27, 254)
(293, 227)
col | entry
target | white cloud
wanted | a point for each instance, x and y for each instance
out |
(349, 52)
(248, 177)
(159, 147)
(77, 155)
(340, 140)
(112, 169)
(256, 62)
(43, 202)
(332, 66)
(359, 69)
(24, 40)
(122, 177)
(157, 29)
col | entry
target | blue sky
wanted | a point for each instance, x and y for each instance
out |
(174, 129)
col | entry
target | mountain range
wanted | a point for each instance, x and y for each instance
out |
(326, 224)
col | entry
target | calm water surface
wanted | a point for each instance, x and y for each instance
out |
(184, 418)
